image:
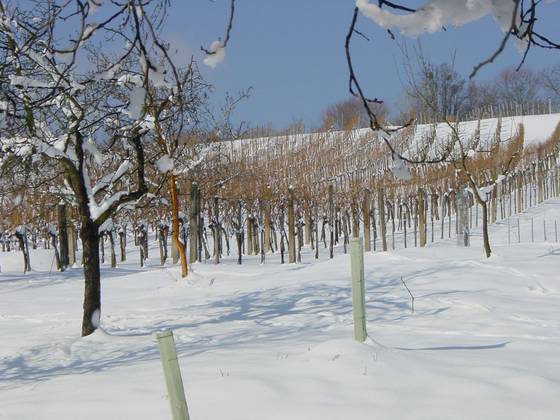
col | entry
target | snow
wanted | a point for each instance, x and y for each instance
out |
(136, 104)
(275, 341)
(92, 148)
(400, 169)
(27, 82)
(52, 229)
(435, 15)
(218, 54)
(157, 77)
(537, 129)
(484, 192)
(134, 79)
(165, 164)
(109, 73)
(107, 226)
(109, 179)
(94, 4)
(96, 210)
(89, 30)
(95, 318)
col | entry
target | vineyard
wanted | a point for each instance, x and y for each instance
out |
(281, 194)
(256, 335)
(279, 210)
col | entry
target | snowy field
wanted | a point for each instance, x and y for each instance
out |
(275, 341)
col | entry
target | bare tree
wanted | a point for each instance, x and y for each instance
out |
(518, 86)
(551, 82)
(518, 19)
(175, 110)
(348, 114)
(438, 85)
(92, 125)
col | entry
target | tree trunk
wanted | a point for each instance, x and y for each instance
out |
(22, 239)
(112, 248)
(92, 292)
(122, 242)
(175, 225)
(62, 236)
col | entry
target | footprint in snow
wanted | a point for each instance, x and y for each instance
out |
(539, 288)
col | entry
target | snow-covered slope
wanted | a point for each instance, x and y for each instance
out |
(537, 128)
(275, 341)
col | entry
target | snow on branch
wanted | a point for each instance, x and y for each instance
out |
(435, 15)
(216, 53)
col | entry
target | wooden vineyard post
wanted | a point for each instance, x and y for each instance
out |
(71, 244)
(299, 229)
(462, 218)
(367, 222)
(266, 210)
(382, 224)
(239, 233)
(316, 231)
(358, 288)
(111, 234)
(172, 372)
(261, 231)
(216, 229)
(122, 241)
(291, 227)
(331, 221)
(193, 223)
(307, 227)
(355, 220)
(404, 225)
(282, 235)
(249, 234)
(373, 222)
(421, 217)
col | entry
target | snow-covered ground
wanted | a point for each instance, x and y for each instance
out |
(537, 129)
(275, 341)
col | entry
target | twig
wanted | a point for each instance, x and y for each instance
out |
(409, 292)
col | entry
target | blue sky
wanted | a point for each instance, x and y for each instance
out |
(291, 53)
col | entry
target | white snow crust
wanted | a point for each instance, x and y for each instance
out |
(276, 341)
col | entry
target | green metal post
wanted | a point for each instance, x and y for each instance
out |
(172, 374)
(358, 292)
